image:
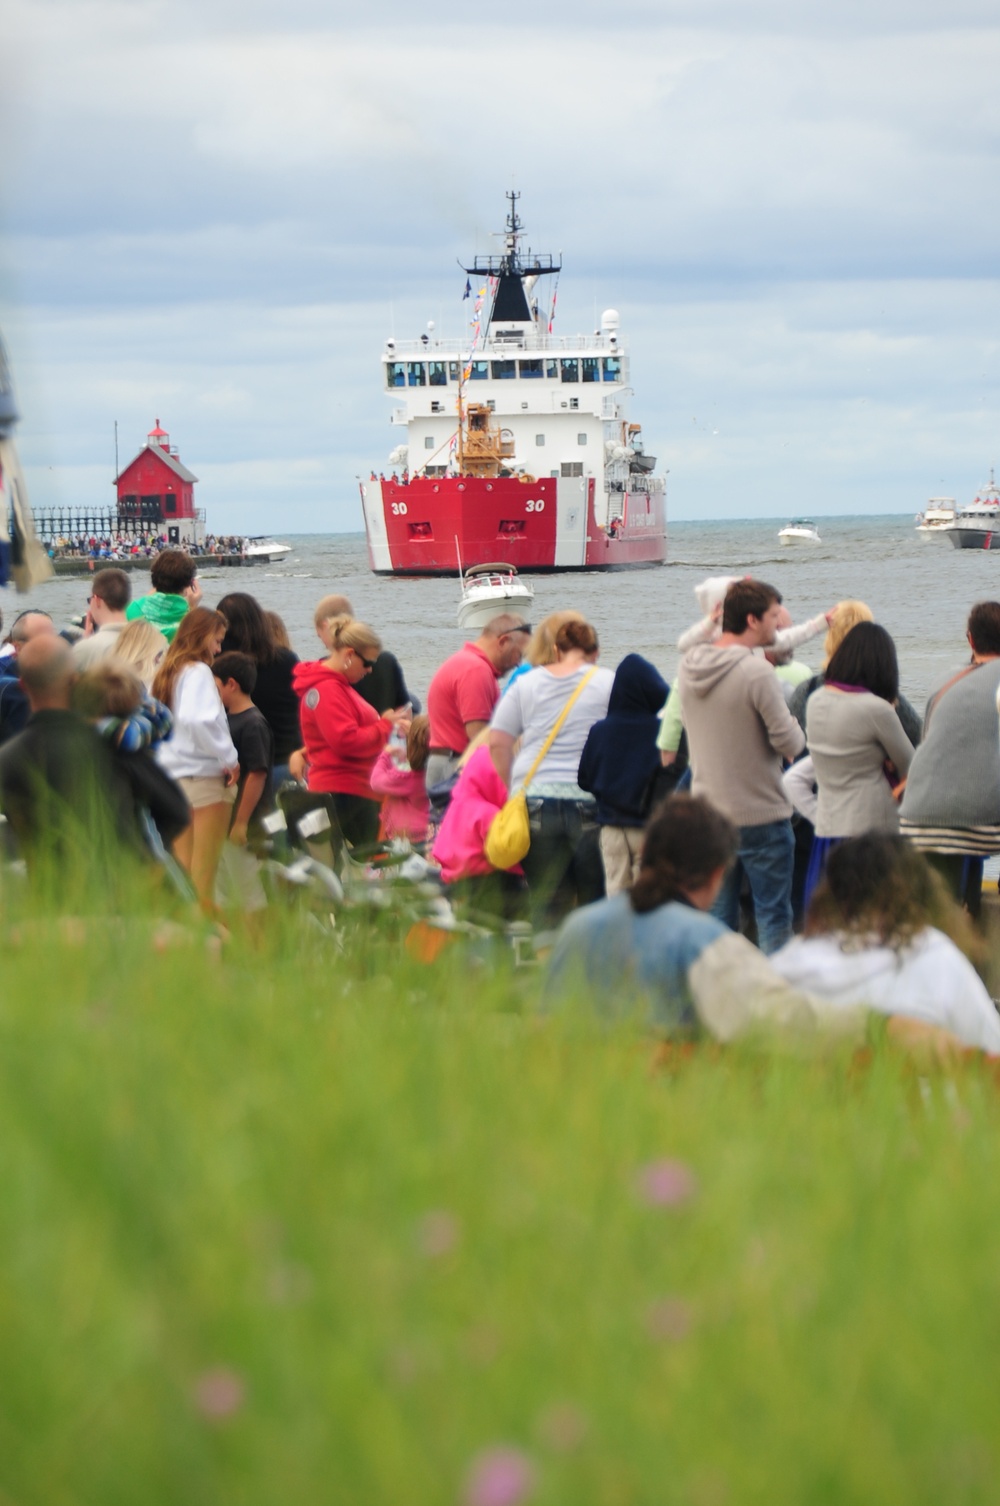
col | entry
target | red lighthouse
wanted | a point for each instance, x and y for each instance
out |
(156, 493)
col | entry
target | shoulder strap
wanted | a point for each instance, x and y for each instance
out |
(932, 703)
(564, 713)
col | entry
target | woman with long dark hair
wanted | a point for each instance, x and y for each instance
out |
(199, 754)
(655, 953)
(882, 931)
(250, 632)
(857, 744)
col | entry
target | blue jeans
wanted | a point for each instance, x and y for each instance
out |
(766, 855)
(563, 865)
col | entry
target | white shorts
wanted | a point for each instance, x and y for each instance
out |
(207, 790)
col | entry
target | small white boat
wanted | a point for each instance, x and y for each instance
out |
(937, 517)
(800, 531)
(488, 590)
(266, 550)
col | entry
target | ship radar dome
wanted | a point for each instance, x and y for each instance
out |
(610, 319)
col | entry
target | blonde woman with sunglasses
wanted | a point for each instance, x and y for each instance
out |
(342, 734)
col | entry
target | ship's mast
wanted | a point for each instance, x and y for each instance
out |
(510, 302)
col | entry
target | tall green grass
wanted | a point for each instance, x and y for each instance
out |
(301, 1223)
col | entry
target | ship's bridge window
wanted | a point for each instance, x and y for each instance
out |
(612, 368)
(569, 370)
(480, 371)
(438, 374)
(395, 374)
(552, 367)
(453, 371)
(416, 374)
(591, 368)
(531, 368)
(503, 370)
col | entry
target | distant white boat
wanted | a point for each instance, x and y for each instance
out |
(937, 517)
(800, 531)
(488, 590)
(266, 550)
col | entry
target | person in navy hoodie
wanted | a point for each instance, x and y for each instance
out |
(619, 764)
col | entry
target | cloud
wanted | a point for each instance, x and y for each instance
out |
(216, 212)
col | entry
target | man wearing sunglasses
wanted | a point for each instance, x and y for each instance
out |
(466, 688)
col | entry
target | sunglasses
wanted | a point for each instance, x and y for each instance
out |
(368, 663)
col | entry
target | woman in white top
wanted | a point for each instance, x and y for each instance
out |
(200, 754)
(563, 866)
(875, 935)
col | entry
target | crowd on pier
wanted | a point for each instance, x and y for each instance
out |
(130, 546)
(762, 841)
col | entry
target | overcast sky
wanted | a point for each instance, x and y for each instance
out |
(215, 211)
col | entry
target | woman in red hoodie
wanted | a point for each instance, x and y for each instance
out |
(343, 735)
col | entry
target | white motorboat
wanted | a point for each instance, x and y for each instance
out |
(800, 531)
(937, 517)
(266, 551)
(977, 526)
(488, 590)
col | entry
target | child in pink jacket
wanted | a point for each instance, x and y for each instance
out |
(398, 776)
(458, 847)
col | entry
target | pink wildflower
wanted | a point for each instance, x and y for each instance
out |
(500, 1477)
(219, 1393)
(437, 1234)
(666, 1184)
(669, 1318)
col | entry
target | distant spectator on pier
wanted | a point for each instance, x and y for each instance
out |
(110, 594)
(174, 578)
(385, 688)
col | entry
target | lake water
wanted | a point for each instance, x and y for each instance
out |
(921, 589)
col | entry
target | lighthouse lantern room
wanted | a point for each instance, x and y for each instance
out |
(156, 493)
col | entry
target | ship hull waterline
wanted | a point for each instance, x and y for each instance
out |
(975, 538)
(434, 526)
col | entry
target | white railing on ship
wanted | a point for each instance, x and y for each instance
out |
(497, 348)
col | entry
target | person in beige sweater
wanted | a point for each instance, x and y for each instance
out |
(739, 731)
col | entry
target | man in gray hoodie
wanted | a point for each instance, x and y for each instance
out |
(739, 729)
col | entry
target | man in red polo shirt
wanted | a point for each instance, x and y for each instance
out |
(465, 690)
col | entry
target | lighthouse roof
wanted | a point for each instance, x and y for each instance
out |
(170, 461)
